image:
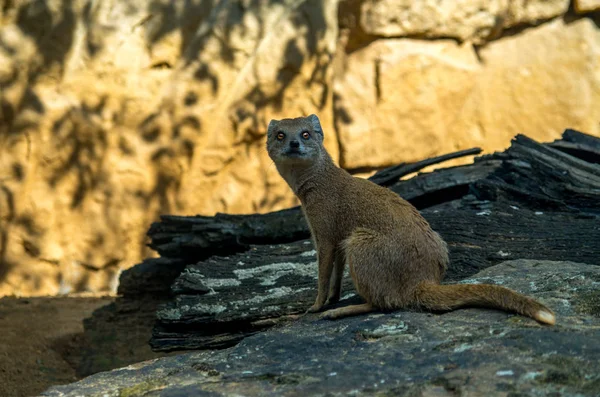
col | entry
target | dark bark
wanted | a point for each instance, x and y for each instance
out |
(391, 175)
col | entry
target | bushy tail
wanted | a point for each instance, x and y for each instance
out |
(448, 297)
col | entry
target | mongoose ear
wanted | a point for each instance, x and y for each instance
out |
(272, 126)
(316, 124)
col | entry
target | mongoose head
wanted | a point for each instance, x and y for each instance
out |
(295, 141)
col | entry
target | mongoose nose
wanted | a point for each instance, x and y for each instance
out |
(294, 144)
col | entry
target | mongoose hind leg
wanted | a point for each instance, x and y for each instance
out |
(347, 311)
(378, 268)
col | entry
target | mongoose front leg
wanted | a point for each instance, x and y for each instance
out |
(335, 286)
(326, 256)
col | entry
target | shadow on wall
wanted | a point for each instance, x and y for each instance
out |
(194, 21)
(80, 134)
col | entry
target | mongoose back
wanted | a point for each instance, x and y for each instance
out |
(396, 260)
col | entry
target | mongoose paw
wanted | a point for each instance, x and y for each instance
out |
(315, 308)
(328, 315)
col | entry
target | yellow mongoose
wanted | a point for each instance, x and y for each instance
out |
(396, 260)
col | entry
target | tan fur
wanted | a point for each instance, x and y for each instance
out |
(396, 260)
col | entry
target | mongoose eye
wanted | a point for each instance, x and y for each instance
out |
(280, 136)
(305, 134)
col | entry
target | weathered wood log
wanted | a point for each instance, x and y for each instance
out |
(542, 177)
(390, 175)
(198, 237)
(151, 277)
(589, 154)
(577, 137)
(443, 185)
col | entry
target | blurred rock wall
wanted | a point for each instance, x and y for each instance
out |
(113, 112)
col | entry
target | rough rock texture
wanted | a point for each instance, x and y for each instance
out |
(112, 113)
(115, 112)
(456, 97)
(469, 351)
(461, 19)
(583, 6)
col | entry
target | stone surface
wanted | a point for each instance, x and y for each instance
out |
(403, 98)
(114, 112)
(469, 351)
(583, 6)
(470, 20)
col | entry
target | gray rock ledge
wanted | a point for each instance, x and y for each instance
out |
(465, 352)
